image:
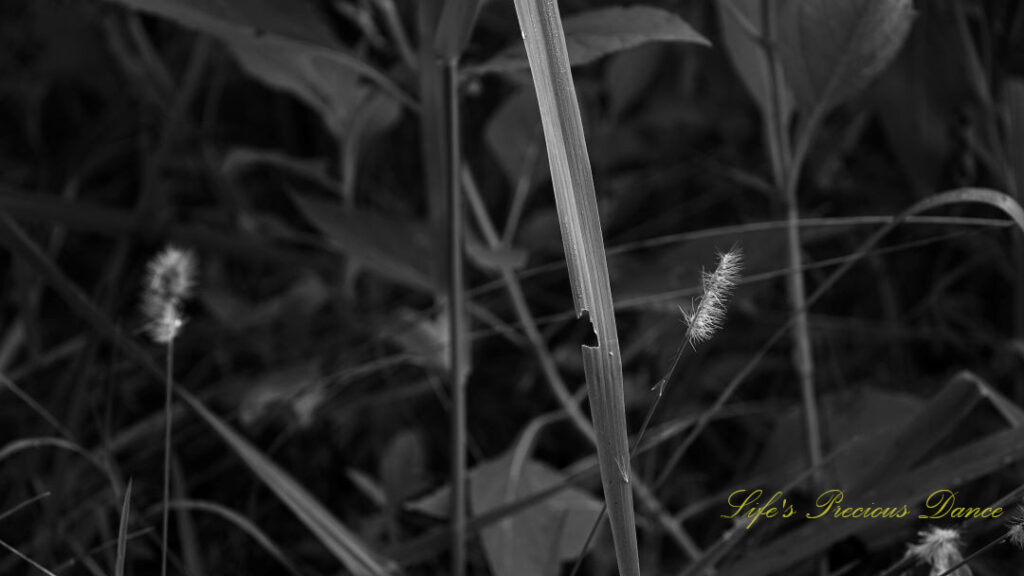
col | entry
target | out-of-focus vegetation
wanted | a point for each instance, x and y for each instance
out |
(304, 152)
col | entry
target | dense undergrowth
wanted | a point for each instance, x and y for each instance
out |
(303, 152)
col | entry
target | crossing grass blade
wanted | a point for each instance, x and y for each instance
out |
(578, 216)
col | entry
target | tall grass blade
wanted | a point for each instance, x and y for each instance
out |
(122, 532)
(576, 201)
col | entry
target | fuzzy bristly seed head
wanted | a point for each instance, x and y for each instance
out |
(709, 312)
(170, 279)
(940, 549)
(171, 273)
(1015, 528)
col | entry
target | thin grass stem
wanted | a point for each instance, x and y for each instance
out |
(168, 425)
(457, 321)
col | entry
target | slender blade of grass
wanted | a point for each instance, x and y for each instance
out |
(122, 532)
(580, 223)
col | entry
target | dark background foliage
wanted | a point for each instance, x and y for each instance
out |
(121, 132)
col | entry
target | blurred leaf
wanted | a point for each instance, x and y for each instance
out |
(332, 90)
(900, 451)
(422, 337)
(523, 543)
(629, 74)
(747, 54)
(929, 85)
(597, 33)
(871, 413)
(301, 299)
(296, 391)
(396, 248)
(403, 467)
(832, 50)
(294, 20)
(457, 20)
(512, 131)
(285, 44)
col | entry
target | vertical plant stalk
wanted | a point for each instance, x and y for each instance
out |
(433, 135)
(168, 425)
(576, 202)
(787, 177)
(458, 350)
(454, 27)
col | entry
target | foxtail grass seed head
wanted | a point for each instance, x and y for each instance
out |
(1015, 529)
(708, 314)
(170, 278)
(939, 548)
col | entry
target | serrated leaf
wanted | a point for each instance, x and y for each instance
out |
(832, 50)
(596, 33)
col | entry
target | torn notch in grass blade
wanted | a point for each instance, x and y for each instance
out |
(576, 202)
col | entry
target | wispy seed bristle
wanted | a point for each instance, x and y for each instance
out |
(708, 314)
(1015, 529)
(939, 548)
